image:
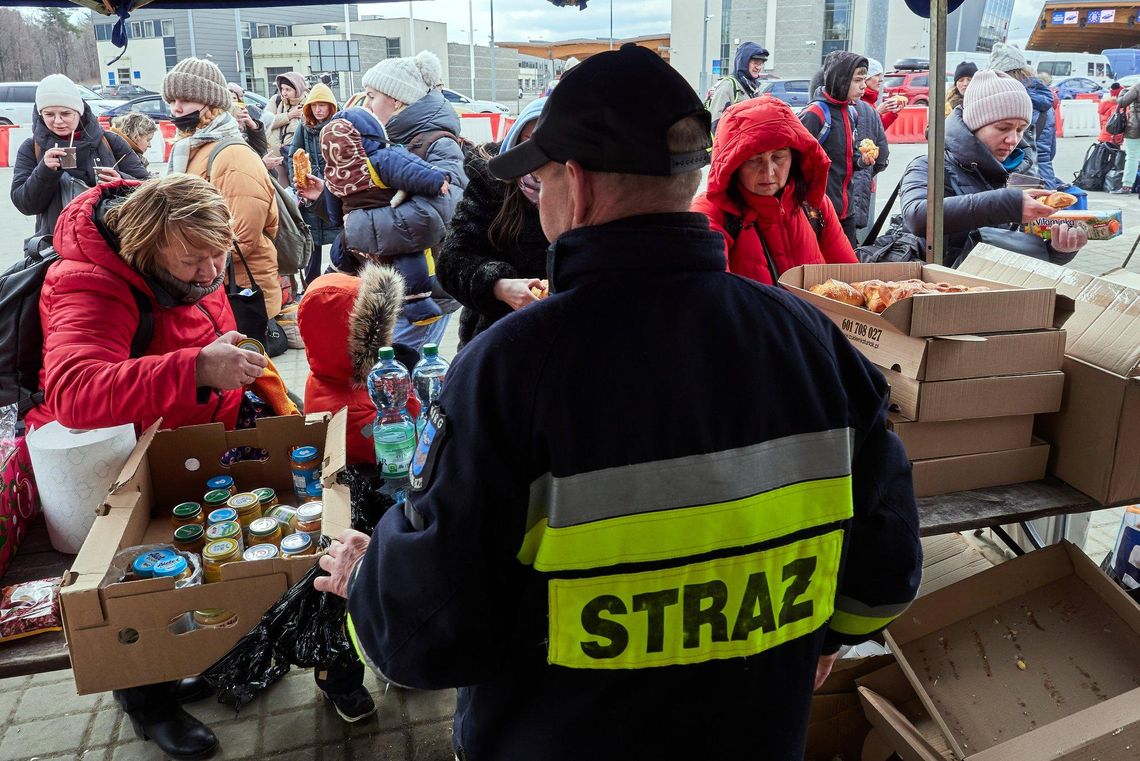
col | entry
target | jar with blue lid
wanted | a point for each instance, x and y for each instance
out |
(306, 466)
(222, 483)
(143, 565)
(221, 515)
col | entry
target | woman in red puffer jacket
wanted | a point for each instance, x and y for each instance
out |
(766, 193)
(165, 241)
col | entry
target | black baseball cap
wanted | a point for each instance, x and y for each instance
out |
(611, 113)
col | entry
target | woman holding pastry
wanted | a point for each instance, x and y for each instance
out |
(983, 145)
(767, 193)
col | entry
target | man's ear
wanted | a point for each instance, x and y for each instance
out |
(581, 187)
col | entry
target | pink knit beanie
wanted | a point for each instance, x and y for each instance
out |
(993, 96)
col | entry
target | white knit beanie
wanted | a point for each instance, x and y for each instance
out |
(1005, 57)
(405, 79)
(993, 96)
(58, 90)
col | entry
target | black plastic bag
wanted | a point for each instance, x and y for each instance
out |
(366, 495)
(305, 628)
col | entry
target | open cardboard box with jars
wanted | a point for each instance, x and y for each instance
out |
(119, 635)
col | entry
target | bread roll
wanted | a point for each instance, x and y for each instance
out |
(837, 290)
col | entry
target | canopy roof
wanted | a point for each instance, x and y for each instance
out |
(1086, 27)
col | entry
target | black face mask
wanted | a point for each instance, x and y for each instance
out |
(187, 122)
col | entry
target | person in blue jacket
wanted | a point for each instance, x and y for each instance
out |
(1043, 133)
(608, 561)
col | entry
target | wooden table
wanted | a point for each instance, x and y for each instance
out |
(943, 514)
(44, 652)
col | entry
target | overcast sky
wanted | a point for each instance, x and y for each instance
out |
(1025, 15)
(521, 20)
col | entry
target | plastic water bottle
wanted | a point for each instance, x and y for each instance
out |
(427, 380)
(393, 432)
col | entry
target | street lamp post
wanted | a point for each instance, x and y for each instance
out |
(493, 50)
(471, 43)
(704, 80)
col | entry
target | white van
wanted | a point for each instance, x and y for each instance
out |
(1092, 65)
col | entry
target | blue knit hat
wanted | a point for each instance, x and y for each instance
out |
(529, 114)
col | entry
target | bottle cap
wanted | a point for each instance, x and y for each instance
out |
(387, 352)
(431, 350)
(304, 454)
(171, 566)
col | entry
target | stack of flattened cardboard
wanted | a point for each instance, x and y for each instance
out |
(1035, 658)
(1096, 434)
(968, 371)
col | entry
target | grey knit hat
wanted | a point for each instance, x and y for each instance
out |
(198, 81)
(993, 96)
(405, 79)
(1006, 58)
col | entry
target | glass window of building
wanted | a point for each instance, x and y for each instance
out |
(393, 47)
(836, 25)
(167, 28)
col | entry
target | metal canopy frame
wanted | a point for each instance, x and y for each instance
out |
(936, 133)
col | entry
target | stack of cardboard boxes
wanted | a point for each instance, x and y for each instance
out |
(968, 371)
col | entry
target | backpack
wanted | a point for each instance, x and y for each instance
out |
(733, 225)
(1100, 159)
(820, 108)
(21, 333)
(895, 245)
(421, 144)
(736, 90)
(294, 242)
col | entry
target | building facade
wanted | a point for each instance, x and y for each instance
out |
(799, 33)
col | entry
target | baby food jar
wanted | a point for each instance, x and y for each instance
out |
(295, 545)
(215, 555)
(187, 513)
(222, 483)
(191, 538)
(264, 531)
(306, 466)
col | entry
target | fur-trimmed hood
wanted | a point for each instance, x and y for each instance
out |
(359, 313)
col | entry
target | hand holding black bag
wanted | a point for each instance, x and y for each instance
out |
(1117, 123)
(248, 304)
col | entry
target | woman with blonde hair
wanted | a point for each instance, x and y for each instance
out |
(199, 104)
(137, 328)
(138, 130)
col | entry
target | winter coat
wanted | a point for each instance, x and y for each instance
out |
(134, 147)
(344, 320)
(1044, 120)
(953, 99)
(241, 178)
(766, 124)
(256, 138)
(1131, 100)
(839, 146)
(871, 98)
(469, 264)
(975, 192)
(863, 180)
(36, 190)
(421, 221)
(280, 126)
(1106, 108)
(308, 138)
(738, 86)
(90, 317)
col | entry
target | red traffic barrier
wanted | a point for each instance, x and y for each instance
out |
(910, 127)
(1058, 119)
(1087, 96)
(5, 140)
(168, 131)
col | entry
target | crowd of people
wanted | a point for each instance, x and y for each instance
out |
(554, 559)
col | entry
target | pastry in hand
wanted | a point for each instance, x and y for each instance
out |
(302, 168)
(868, 149)
(542, 290)
(837, 290)
(1058, 200)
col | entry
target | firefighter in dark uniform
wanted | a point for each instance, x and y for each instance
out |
(649, 509)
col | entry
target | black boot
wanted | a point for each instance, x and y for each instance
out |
(192, 689)
(155, 715)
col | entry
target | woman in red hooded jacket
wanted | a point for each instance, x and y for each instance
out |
(766, 193)
(167, 241)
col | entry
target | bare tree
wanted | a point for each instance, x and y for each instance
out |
(53, 40)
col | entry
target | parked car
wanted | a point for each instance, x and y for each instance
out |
(795, 92)
(1067, 88)
(151, 105)
(466, 105)
(915, 85)
(124, 92)
(18, 101)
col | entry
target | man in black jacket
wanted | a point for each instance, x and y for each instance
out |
(648, 545)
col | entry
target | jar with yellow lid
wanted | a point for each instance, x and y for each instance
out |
(227, 530)
(295, 545)
(264, 531)
(248, 509)
(309, 516)
(286, 515)
(267, 497)
(214, 618)
(261, 552)
(215, 554)
(214, 499)
(186, 513)
(191, 538)
(222, 483)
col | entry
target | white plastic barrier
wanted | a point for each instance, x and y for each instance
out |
(478, 127)
(16, 138)
(1080, 118)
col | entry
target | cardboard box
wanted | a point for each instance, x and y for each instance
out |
(977, 471)
(998, 396)
(1035, 658)
(1000, 310)
(1096, 433)
(898, 717)
(950, 438)
(1098, 224)
(118, 635)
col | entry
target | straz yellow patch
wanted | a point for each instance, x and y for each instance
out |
(726, 608)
